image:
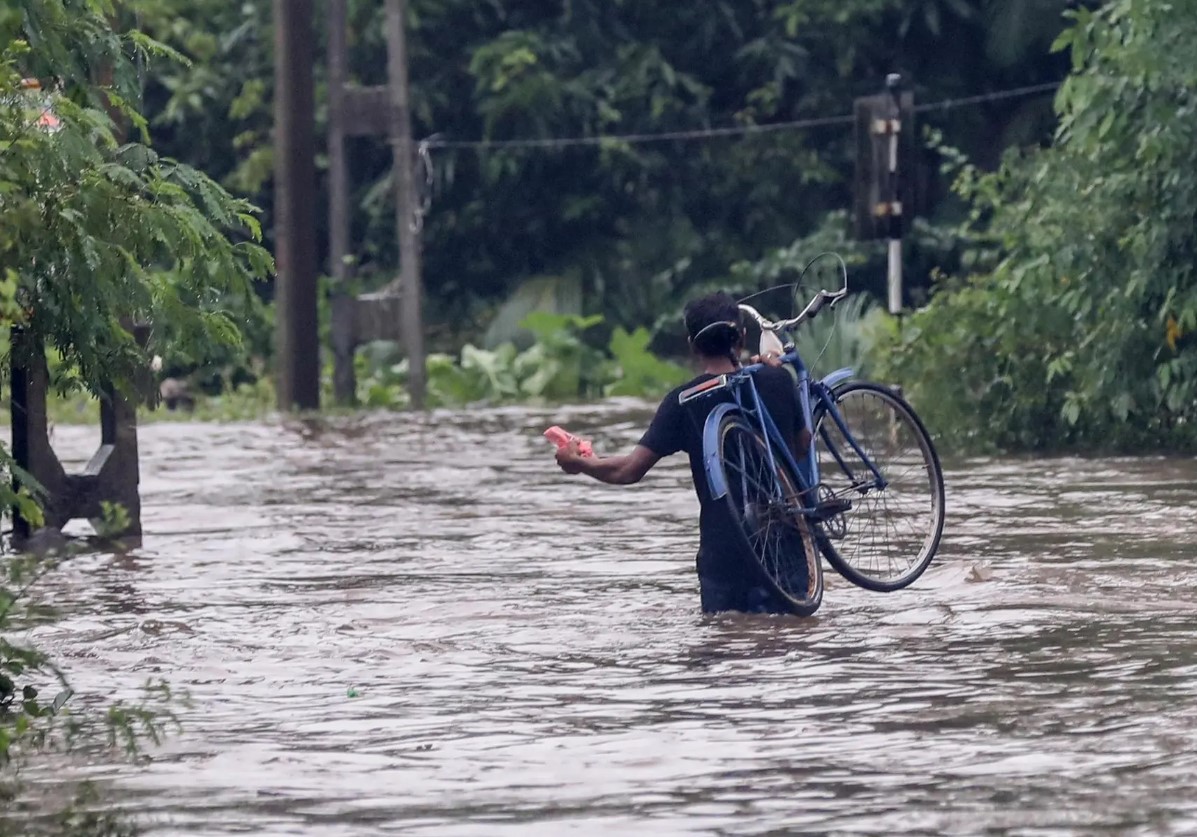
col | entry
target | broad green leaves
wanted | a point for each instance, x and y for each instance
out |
(639, 371)
(561, 365)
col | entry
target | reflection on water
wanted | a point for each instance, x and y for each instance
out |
(529, 656)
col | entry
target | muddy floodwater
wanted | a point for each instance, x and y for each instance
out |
(391, 625)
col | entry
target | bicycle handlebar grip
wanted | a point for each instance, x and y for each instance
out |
(561, 437)
(819, 302)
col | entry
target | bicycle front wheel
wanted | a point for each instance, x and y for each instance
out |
(763, 503)
(892, 531)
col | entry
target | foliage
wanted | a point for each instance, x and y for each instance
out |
(240, 402)
(636, 370)
(35, 709)
(561, 365)
(217, 104)
(100, 232)
(640, 225)
(96, 232)
(1081, 332)
(843, 336)
(88, 815)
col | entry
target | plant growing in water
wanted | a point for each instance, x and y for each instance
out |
(560, 365)
(36, 717)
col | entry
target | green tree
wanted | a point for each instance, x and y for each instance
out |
(638, 225)
(95, 232)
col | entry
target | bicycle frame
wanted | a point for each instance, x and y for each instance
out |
(746, 399)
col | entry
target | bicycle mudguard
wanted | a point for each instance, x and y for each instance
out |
(710, 449)
(705, 388)
(837, 377)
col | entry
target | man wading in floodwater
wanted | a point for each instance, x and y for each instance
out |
(726, 576)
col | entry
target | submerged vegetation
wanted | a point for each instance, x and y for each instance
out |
(561, 364)
(37, 718)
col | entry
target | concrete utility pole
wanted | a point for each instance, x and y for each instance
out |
(297, 338)
(409, 239)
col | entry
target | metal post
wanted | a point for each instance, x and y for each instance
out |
(894, 266)
(409, 237)
(297, 338)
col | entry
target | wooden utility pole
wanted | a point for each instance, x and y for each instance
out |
(338, 168)
(404, 159)
(393, 313)
(297, 338)
(343, 339)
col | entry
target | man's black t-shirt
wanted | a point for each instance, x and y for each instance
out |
(678, 427)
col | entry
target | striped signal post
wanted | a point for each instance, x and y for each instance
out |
(885, 196)
(893, 133)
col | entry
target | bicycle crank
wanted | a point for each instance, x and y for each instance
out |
(829, 512)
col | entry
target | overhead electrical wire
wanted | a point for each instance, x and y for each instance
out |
(437, 142)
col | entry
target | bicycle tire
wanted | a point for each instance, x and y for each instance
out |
(876, 563)
(762, 501)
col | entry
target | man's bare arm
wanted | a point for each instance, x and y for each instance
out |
(614, 470)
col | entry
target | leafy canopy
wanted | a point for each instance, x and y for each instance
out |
(96, 232)
(1081, 330)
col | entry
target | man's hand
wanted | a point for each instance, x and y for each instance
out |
(768, 358)
(569, 458)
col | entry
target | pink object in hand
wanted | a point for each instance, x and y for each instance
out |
(561, 437)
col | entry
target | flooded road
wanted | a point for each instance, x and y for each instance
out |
(529, 657)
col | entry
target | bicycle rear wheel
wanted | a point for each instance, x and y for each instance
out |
(891, 533)
(762, 502)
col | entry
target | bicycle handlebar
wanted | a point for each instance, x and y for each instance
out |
(822, 298)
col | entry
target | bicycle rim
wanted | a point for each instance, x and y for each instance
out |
(891, 532)
(761, 502)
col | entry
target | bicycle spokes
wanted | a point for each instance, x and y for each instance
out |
(886, 465)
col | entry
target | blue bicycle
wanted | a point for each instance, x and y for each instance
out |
(867, 494)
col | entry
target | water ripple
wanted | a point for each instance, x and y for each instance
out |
(529, 657)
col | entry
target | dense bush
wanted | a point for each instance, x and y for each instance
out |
(1075, 329)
